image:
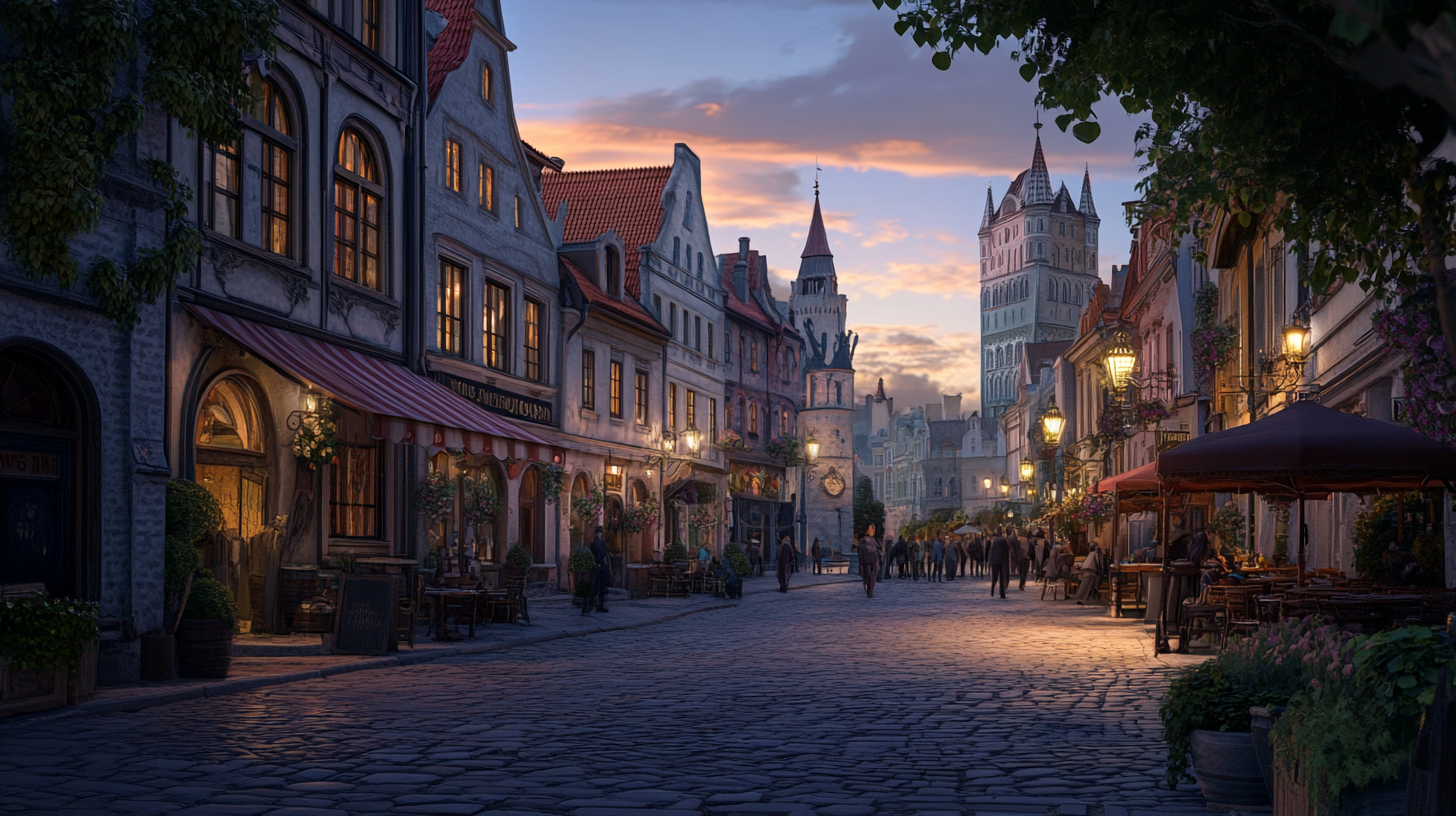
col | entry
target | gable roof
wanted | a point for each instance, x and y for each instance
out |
(628, 200)
(750, 309)
(453, 44)
(626, 308)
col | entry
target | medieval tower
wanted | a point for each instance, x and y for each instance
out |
(827, 416)
(1038, 269)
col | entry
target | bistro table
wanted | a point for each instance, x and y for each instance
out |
(1127, 579)
(441, 597)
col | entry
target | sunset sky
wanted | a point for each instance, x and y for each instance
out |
(759, 89)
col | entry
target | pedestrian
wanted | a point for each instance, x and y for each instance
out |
(603, 577)
(816, 554)
(786, 562)
(1089, 575)
(978, 556)
(869, 561)
(902, 557)
(963, 553)
(952, 560)
(755, 558)
(1023, 557)
(937, 560)
(999, 557)
(732, 581)
(917, 555)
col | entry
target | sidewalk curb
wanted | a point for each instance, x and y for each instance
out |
(245, 684)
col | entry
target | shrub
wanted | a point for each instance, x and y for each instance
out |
(676, 551)
(192, 512)
(178, 561)
(581, 560)
(517, 558)
(737, 559)
(210, 600)
(38, 632)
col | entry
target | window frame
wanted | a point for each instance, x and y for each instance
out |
(690, 408)
(589, 379)
(231, 198)
(671, 406)
(369, 25)
(614, 397)
(501, 348)
(363, 189)
(454, 164)
(487, 83)
(642, 392)
(485, 187)
(533, 341)
(338, 488)
(450, 322)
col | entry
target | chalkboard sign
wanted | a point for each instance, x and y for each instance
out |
(364, 624)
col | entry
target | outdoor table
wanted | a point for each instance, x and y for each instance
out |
(438, 599)
(1124, 574)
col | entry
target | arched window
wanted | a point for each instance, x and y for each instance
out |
(279, 144)
(358, 213)
(232, 454)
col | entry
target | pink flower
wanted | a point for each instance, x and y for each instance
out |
(1349, 669)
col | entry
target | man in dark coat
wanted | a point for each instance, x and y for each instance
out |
(603, 578)
(786, 562)
(816, 554)
(999, 559)
(869, 561)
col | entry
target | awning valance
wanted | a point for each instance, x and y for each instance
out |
(406, 407)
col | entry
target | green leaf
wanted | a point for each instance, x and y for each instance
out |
(1064, 120)
(1028, 71)
(1087, 132)
(941, 60)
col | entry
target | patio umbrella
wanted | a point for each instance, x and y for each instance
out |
(967, 528)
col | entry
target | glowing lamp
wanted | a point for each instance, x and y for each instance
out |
(1296, 343)
(1027, 470)
(1005, 486)
(1052, 423)
(1119, 360)
(811, 449)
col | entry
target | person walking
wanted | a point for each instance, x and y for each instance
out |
(917, 555)
(815, 554)
(1023, 557)
(952, 560)
(902, 557)
(937, 560)
(603, 577)
(786, 562)
(999, 557)
(963, 554)
(869, 561)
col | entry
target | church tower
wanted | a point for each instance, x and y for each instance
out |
(1038, 270)
(827, 415)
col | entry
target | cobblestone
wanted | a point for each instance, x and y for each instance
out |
(926, 699)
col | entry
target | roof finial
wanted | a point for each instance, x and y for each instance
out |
(817, 168)
(1037, 124)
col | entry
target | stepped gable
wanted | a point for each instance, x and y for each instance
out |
(628, 201)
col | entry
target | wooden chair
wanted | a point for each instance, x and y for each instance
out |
(407, 613)
(1202, 620)
(512, 604)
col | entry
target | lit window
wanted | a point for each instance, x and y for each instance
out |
(358, 203)
(753, 420)
(371, 25)
(533, 340)
(691, 408)
(671, 406)
(518, 212)
(277, 175)
(448, 311)
(642, 398)
(226, 182)
(485, 87)
(615, 395)
(589, 380)
(452, 164)
(486, 193)
(496, 334)
(753, 356)
(712, 420)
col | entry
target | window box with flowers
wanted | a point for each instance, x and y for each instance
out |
(730, 441)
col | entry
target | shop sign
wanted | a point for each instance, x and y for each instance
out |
(499, 400)
(29, 465)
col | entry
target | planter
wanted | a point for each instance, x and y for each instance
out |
(204, 649)
(81, 686)
(1226, 770)
(159, 652)
(1261, 722)
(580, 586)
(1291, 798)
(24, 690)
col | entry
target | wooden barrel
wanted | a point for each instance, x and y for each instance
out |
(1226, 769)
(204, 649)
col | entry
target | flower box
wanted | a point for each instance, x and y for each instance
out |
(1291, 797)
(24, 690)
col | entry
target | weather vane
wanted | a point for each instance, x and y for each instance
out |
(817, 168)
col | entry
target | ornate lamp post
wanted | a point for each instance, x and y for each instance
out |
(811, 455)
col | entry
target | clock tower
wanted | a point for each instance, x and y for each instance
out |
(827, 415)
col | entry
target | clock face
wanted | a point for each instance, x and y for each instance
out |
(833, 482)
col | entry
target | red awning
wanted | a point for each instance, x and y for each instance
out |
(406, 407)
(1140, 479)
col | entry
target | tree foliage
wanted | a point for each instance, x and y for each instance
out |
(1259, 109)
(867, 510)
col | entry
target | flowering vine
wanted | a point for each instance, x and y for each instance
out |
(1412, 326)
(1149, 412)
(435, 496)
(1212, 340)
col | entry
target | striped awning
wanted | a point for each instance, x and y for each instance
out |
(405, 407)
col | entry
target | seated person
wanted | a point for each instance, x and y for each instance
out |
(1089, 575)
(732, 582)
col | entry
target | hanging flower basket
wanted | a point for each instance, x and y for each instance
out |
(640, 516)
(481, 503)
(588, 508)
(553, 477)
(316, 441)
(435, 497)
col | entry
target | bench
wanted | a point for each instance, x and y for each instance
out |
(835, 565)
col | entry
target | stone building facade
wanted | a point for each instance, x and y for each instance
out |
(1038, 270)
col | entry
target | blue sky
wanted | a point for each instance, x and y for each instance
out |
(760, 89)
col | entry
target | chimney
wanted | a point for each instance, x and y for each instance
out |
(952, 404)
(740, 278)
(932, 413)
(743, 248)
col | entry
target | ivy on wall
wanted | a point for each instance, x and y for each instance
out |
(66, 122)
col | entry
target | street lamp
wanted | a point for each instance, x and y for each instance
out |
(1027, 470)
(690, 437)
(1005, 487)
(811, 455)
(1119, 360)
(1052, 423)
(986, 484)
(1296, 343)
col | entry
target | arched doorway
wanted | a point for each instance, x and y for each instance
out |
(489, 548)
(42, 477)
(612, 515)
(639, 544)
(531, 519)
(232, 463)
(580, 531)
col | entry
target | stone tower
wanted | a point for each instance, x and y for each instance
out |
(828, 412)
(1038, 270)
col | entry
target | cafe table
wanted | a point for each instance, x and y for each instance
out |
(440, 597)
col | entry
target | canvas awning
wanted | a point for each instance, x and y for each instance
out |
(1139, 479)
(1308, 449)
(405, 407)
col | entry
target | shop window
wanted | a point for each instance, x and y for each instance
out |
(356, 482)
(231, 455)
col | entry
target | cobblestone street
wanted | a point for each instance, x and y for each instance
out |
(925, 699)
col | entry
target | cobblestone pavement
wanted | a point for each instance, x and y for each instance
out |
(927, 699)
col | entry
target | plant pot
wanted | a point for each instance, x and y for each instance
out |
(1261, 722)
(24, 690)
(81, 686)
(158, 654)
(1226, 770)
(1292, 798)
(580, 586)
(204, 649)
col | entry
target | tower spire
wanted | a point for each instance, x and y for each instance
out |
(990, 214)
(1037, 188)
(1086, 206)
(818, 242)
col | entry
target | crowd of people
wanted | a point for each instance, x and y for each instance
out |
(999, 554)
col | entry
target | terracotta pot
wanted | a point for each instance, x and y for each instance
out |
(204, 649)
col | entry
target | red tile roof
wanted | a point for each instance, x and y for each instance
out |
(818, 243)
(453, 45)
(749, 310)
(626, 308)
(628, 201)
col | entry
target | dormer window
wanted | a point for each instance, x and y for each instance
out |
(614, 272)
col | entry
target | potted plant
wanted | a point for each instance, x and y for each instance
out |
(193, 516)
(1345, 742)
(674, 552)
(205, 635)
(737, 558)
(583, 565)
(518, 560)
(43, 642)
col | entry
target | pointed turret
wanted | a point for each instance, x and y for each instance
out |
(818, 243)
(1086, 205)
(1037, 188)
(990, 214)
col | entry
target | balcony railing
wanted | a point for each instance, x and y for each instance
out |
(1167, 440)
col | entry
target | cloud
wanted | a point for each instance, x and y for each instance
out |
(949, 275)
(918, 363)
(885, 231)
